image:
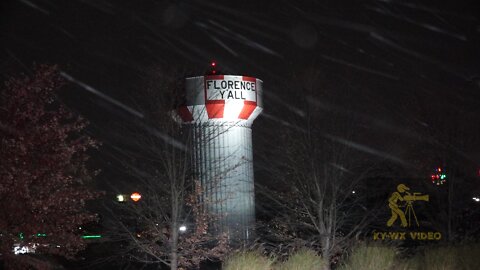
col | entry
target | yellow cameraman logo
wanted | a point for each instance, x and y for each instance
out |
(401, 203)
(406, 200)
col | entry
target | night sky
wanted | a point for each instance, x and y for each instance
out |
(374, 60)
(395, 82)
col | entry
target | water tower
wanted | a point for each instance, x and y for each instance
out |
(220, 110)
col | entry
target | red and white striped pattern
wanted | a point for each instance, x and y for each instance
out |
(203, 110)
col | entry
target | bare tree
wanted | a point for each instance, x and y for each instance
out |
(449, 139)
(170, 224)
(321, 164)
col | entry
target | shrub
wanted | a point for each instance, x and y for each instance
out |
(464, 257)
(248, 260)
(414, 263)
(440, 258)
(304, 259)
(469, 256)
(365, 257)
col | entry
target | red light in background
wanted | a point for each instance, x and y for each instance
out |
(135, 196)
(214, 64)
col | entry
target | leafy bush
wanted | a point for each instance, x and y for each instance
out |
(303, 260)
(248, 260)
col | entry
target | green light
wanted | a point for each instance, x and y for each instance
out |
(41, 234)
(21, 236)
(443, 176)
(91, 236)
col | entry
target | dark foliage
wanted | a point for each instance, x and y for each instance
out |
(43, 173)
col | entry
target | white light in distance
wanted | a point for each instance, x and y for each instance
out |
(182, 228)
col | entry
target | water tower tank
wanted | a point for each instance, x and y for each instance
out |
(220, 110)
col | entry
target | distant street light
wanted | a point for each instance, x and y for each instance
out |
(183, 228)
(121, 198)
(135, 196)
(476, 199)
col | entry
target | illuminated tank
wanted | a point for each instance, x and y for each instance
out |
(219, 110)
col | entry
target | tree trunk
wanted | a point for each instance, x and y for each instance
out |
(174, 231)
(325, 240)
(174, 246)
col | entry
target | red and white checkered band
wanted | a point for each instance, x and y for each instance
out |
(241, 106)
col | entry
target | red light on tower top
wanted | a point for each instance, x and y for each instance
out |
(213, 65)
